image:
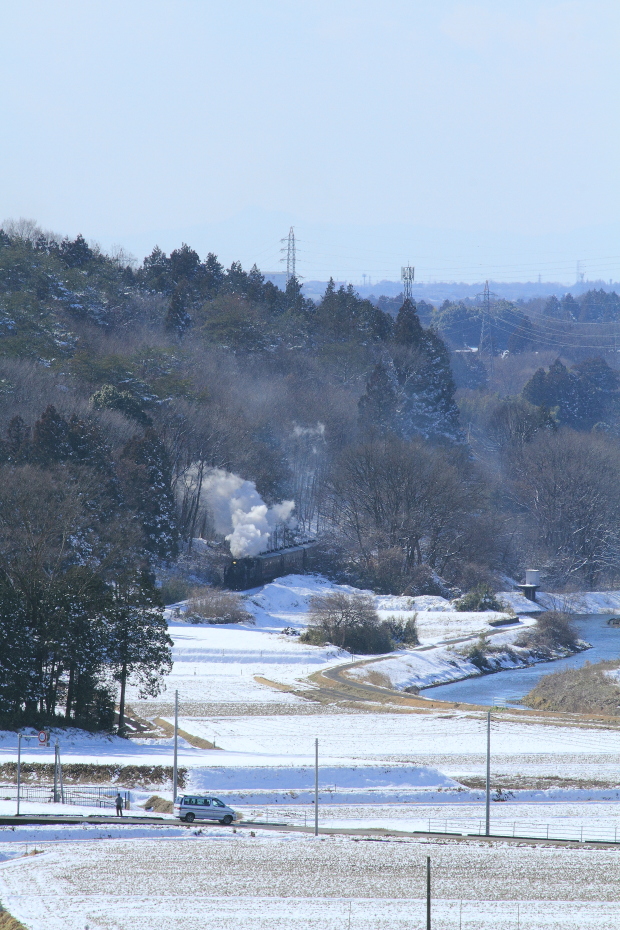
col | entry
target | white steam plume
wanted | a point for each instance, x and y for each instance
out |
(241, 514)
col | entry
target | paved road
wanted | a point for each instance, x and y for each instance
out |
(376, 833)
(368, 692)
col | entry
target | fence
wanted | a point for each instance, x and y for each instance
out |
(84, 795)
(524, 830)
(500, 827)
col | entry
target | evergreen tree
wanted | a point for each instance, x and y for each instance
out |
(255, 285)
(50, 437)
(76, 253)
(236, 281)
(177, 318)
(408, 329)
(184, 264)
(294, 297)
(577, 394)
(212, 275)
(378, 406)
(156, 272)
(140, 647)
(146, 474)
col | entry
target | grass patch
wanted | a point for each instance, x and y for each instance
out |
(9, 923)
(585, 690)
(379, 679)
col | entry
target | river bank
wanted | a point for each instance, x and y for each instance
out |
(419, 669)
(510, 686)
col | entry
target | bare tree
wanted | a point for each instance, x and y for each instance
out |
(391, 494)
(566, 485)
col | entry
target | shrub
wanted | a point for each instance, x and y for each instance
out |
(479, 598)
(478, 652)
(423, 580)
(213, 605)
(554, 630)
(349, 621)
(174, 590)
(313, 636)
(403, 631)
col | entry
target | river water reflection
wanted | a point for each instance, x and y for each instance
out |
(508, 687)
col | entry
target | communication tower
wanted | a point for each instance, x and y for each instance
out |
(406, 276)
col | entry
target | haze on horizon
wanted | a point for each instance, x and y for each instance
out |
(472, 139)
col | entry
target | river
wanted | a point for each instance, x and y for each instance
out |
(508, 687)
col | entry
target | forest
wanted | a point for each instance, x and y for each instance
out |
(426, 449)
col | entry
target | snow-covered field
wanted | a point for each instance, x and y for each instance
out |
(219, 664)
(396, 768)
(219, 879)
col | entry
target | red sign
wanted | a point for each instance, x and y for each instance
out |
(43, 737)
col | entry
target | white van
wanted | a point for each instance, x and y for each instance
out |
(190, 807)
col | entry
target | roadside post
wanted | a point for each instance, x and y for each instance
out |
(56, 773)
(59, 791)
(488, 779)
(43, 738)
(316, 786)
(176, 738)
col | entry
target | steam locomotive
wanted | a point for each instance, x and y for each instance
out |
(241, 574)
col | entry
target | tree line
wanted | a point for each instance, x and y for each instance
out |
(420, 465)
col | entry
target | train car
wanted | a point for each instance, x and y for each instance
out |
(241, 574)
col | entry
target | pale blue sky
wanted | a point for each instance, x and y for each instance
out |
(472, 139)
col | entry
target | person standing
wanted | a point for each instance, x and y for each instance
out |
(119, 805)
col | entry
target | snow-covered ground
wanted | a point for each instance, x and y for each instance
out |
(219, 664)
(582, 602)
(393, 769)
(215, 878)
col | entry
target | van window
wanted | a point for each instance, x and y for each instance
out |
(204, 801)
(217, 803)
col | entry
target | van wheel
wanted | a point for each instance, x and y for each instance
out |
(189, 818)
(227, 820)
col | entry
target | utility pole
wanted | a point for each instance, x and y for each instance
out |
(56, 773)
(407, 274)
(19, 768)
(488, 784)
(316, 787)
(290, 256)
(176, 738)
(428, 893)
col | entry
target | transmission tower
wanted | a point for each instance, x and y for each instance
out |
(486, 338)
(406, 276)
(290, 256)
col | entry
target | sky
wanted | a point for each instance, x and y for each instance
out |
(471, 140)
